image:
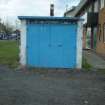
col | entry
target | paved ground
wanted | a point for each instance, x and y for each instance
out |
(52, 88)
(96, 61)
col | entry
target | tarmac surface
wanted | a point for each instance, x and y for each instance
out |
(55, 87)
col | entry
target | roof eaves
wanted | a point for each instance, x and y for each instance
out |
(78, 8)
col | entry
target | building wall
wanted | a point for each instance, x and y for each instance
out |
(92, 31)
(97, 6)
(71, 14)
(79, 45)
(101, 33)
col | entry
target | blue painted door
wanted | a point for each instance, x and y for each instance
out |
(44, 45)
(69, 45)
(51, 45)
(33, 45)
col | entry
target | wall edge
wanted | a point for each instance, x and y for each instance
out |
(79, 45)
(23, 43)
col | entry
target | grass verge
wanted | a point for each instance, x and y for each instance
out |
(86, 65)
(9, 51)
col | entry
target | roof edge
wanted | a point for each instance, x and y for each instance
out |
(47, 17)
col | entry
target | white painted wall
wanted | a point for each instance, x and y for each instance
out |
(79, 44)
(70, 14)
(73, 13)
(84, 17)
(96, 6)
(102, 3)
(23, 43)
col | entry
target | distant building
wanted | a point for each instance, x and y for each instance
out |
(70, 12)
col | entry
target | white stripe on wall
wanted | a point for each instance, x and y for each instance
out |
(79, 44)
(23, 43)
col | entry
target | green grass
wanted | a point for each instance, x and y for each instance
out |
(86, 65)
(9, 51)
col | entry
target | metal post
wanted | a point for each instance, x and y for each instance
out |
(52, 10)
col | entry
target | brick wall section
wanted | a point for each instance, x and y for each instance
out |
(101, 43)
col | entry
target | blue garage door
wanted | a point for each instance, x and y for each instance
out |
(51, 45)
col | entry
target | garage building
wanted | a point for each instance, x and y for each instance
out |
(51, 42)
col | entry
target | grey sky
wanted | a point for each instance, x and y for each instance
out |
(10, 9)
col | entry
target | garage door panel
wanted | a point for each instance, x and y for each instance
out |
(32, 45)
(56, 42)
(69, 46)
(44, 45)
(52, 45)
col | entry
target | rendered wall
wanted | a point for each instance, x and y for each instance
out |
(79, 44)
(23, 43)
